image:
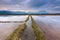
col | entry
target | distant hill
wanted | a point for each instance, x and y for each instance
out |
(4, 12)
(42, 12)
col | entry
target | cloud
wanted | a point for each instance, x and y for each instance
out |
(33, 5)
(51, 5)
(38, 3)
(11, 2)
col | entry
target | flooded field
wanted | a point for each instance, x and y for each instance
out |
(13, 18)
(50, 26)
(7, 28)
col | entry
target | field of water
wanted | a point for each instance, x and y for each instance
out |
(7, 28)
(50, 26)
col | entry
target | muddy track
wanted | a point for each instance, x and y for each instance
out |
(28, 33)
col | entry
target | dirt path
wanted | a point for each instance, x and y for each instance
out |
(28, 33)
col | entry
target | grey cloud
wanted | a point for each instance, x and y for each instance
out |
(38, 3)
(31, 4)
(11, 2)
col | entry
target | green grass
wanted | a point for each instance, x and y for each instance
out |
(27, 19)
(16, 35)
(38, 33)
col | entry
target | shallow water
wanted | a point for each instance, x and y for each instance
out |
(13, 18)
(7, 28)
(50, 25)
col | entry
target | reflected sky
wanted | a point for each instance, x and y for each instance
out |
(13, 18)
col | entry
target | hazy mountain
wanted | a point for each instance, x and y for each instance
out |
(39, 12)
(4, 12)
(42, 12)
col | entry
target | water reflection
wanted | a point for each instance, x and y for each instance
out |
(13, 18)
(8, 24)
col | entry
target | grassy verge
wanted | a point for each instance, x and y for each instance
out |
(27, 19)
(16, 35)
(39, 34)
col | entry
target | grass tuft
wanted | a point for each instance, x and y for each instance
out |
(16, 35)
(38, 33)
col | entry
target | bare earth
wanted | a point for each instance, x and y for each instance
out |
(50, 26)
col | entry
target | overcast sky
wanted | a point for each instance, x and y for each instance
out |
(31, 5)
